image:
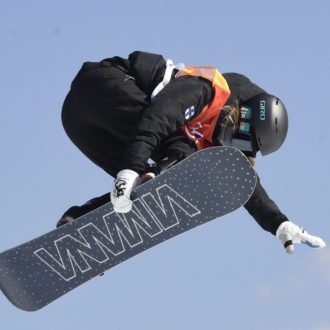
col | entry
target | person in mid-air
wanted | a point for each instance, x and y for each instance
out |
(121, 113)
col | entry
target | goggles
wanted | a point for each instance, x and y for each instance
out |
(241, 137)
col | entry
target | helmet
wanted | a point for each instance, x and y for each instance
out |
(265, 119)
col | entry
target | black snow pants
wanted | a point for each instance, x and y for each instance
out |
(100, 112)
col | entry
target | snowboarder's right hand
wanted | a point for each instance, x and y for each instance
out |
(289, 233)
(125, 182)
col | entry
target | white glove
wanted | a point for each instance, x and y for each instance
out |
(289, 233)
(125, 182)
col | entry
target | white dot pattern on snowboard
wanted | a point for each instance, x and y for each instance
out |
(211, 186)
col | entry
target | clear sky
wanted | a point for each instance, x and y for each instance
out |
(228, 274)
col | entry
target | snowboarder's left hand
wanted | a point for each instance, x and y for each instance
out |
(125, 182)
(289, 233)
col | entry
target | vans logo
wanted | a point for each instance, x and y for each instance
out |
(152, 217)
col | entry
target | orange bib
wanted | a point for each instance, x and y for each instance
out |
(201, 128)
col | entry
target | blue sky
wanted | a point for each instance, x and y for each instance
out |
(228, 274)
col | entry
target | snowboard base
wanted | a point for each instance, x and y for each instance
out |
(203, 187)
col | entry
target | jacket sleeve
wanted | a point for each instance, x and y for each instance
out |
(147, 69)
(264, 210)
(164, 116)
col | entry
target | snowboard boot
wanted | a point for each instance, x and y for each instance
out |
(158, 168)
(75, 212)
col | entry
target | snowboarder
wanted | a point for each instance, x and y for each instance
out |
(121, 113)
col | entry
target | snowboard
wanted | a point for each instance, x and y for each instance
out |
(205, 186)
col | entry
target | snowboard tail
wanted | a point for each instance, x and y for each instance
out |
(205, 186)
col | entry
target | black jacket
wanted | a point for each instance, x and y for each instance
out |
(157, 134)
